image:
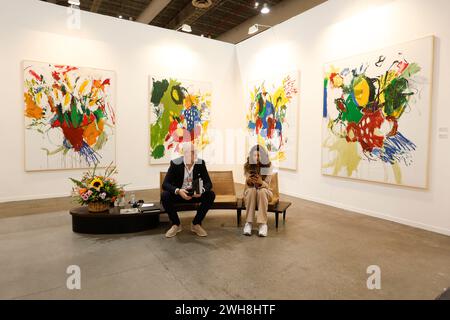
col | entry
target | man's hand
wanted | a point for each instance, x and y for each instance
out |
(184, 194)
(196, 195)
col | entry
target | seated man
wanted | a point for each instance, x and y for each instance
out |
(176, 187)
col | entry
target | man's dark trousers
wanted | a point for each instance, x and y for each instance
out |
(169, 199)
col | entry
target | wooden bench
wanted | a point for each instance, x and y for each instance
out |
(226, 198)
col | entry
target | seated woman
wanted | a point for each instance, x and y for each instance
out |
(257, 192)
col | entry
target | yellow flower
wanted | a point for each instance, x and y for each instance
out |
(96, 183)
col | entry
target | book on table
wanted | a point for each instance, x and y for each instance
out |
(149, 207)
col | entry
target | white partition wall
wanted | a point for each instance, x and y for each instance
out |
(39, 31)
(340, 29)
(333, 31)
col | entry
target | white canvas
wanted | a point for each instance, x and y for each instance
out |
(376, 115)
(179, 111)
(69, 116)
(276, 127)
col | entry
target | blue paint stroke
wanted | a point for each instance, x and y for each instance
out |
(397, 148)
(89, 154)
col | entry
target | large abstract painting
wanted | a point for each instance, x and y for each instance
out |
(180, 111)
(376, 115)
(272, 117)
(69, 116)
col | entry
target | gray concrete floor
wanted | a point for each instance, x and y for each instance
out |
(320, 253)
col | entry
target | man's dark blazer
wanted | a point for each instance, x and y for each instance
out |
(175, 175)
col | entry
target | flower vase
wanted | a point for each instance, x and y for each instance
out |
(98, 206)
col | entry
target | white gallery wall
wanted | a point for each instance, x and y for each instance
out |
(35, 30)
(339, 29)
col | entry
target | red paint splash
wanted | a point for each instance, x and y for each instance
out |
(258, 125)
(270, 127)
(34, 74)
(402, 65)
(364, 131)
(74, 136)
(56, 76)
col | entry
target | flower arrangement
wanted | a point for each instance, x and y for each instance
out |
(97, 191)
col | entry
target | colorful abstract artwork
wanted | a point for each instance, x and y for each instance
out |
(69, 116)
(272, 118)
(180, 111)
(376, 115)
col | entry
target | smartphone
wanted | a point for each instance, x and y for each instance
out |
(190, 192)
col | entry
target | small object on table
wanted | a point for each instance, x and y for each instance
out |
(149, 207)
(129, 210)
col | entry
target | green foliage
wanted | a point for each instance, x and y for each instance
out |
(97, 188)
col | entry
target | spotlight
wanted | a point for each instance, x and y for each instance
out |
(255, 28)
(74, 4)
(185, 28)
(265, 9)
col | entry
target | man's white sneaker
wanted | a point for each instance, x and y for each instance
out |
(248, 229)
(262, 230)
(172, 232)
(198, 230)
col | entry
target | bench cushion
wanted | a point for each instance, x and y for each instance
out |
(221, 198)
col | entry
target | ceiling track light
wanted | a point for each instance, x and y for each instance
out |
(255, 28)
(74, 4)
(265, 9)
(185, 27)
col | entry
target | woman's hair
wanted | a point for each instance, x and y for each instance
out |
(263, 161)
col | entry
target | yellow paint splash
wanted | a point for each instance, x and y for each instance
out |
(83, 87)
(362, 92)
(190, 100)
(69, 84)
(32, 110)
(67, 100)
(279, 98)
(347, 156)
(397, 173)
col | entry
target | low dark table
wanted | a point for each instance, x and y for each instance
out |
(112, 221)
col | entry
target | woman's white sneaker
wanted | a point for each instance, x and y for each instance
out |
(262, 230)
(248, 229)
